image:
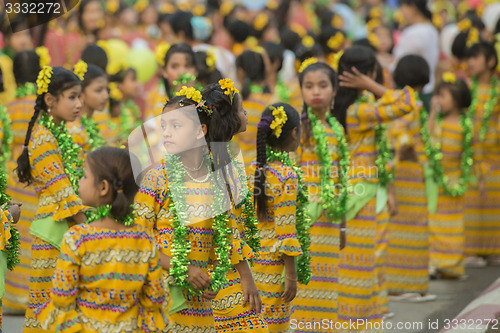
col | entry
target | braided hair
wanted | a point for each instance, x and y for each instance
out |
(62, 80)
(265, 137)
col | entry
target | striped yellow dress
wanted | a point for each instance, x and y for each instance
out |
(278, 237)
(446, 225)
(317, 301)
(108, 126)
(155, 101)
(362, 289)
(6, 221)
(254, 105)
(408, 251)
(482, 222)
(17, 282)
(56, 198)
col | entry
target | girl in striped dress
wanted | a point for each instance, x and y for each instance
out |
(43, 163)
(108, 277)
(26, 68)
(276, 188)
(452, 174)
(482, 226)
(362, 293)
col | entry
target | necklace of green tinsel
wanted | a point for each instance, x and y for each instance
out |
(282, 91)
(181, 246)
(93, 132)
(303, 221)
(26, 90)
(13, 247)
(435, 155)
(126, 123)
(335, 205)
(102, 212)
(488, 106)
(69, 150)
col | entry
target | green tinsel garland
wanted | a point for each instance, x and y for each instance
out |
(384, 155)
(69, 150)
(27, 89)
(283, 91)
(7, 138)
(435, 155)
(126, 124)
(102, 212)
(488, 106)
(93, 133)
(303, 221)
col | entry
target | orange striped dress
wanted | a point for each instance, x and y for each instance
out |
(361, 278)
(17, 282)
(482, 222)
(446, 225)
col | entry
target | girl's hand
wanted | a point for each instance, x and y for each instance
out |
(208, 294)
(290, 289)
(198, 278)
(360, 81)
(251, 293)
(15, 211)
(391, 200)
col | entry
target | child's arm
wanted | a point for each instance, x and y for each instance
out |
(357, 80)
(250, 291)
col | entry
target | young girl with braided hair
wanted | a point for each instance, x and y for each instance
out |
(276, 187)
(107, 278)
(48, 151)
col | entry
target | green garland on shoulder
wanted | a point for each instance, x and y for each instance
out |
(435, 155)
(303, 221)
(27, 89)
(7, 138)
(283, 92)
(102, 212)
(488, 106)
(385, 155)
(69, 150)
(93, 132)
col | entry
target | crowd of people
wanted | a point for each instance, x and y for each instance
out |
(317, 159)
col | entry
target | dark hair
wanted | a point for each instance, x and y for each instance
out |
(497, 27)
(181, 22)
(486, 49)
(116, 166)
(363, 58)
(365, 42)
(26, 66)
(177, 48)
(330, 72)
(325, 35)
(206, 75)
(289, 38)
(93, 72)
(252, 63)
(61, 80)
(421, 5)
(275, 51)
(459, 91)
(459, 46)
(303, 52)
(265, 137)
(95, 55)
(411, 70)
(81, 10)
(239, 30)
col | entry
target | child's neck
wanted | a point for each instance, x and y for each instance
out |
(321, 114)
(484, 77)
(108, 223)
(453, 115)
(87, 111)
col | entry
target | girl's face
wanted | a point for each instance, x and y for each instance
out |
(95, 96)
(178, 64)
(179, 132)
(92, 16)
(89, 193)
(409, 12)
(242, 114)
(477, 64)
(130, 85)
(20, 41)
(317, 90)
(67, 106)
(385, 39)
(445, 101)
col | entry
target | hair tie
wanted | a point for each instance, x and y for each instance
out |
(265, 123)
(25, 147)
(119, 191)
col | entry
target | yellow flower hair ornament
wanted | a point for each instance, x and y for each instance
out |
(112, 6)
(190, 93)
(80, 69)
(333, 60)
(43, 80)
(140, 5)
(43, 54)
(464, 25)
(114, 92)
(229, 89)
(279, 120)
(306, 63)
(160, 53)
(210, 61)
(449, 77)
(260, 21)
(336, 41)
(308, 41)
(472, 37)
(373, 39)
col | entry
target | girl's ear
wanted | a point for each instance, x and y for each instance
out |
(202, 132)
(103, 188)
(49, 100)
(490, 63)
(164, 73)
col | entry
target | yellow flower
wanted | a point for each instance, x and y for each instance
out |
(140, 5)
(228, 87)
(210, 61)
(375, 12)
(190, 93)
(226, 8)
(117, 66)
(449, 77)
(306, 63)
(308, 41)
(280, 119)
(160, 52)
(472, 37)
(199, 10)
(398, 17)
(114, 92)
(260, 21)
(337, 21)
(237, 49)
(335, 41)
(167, 8)
(112, 6)
(272, 5)
(43, 54)
(437, 21)
(297, 28)
(373, 39)
(43, 80)
(80, 69)
(185, 6)
(334, 58)
(463, 25)
(373, 24)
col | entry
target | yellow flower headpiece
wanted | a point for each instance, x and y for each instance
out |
(210, 61)
(43, 54)
(437, 21)
(112, 6)
(308, 41)
(199, 10)
(114, 92)
(373, 24)
(229, 89)
(226, 7)
(140, 5)
(337, 21)
(375, 12)
(472, 37)
(464, 25)
(43, 80)
(298, 29)
(80, 69)
(336, 41)
(160, 52)
(167, 8)
(449, 77)
(190, 93)
(260, 21)
(334, 58)
(272, 5)
(116, 67)
(306, 63)
(279, 121)
(373, 39)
